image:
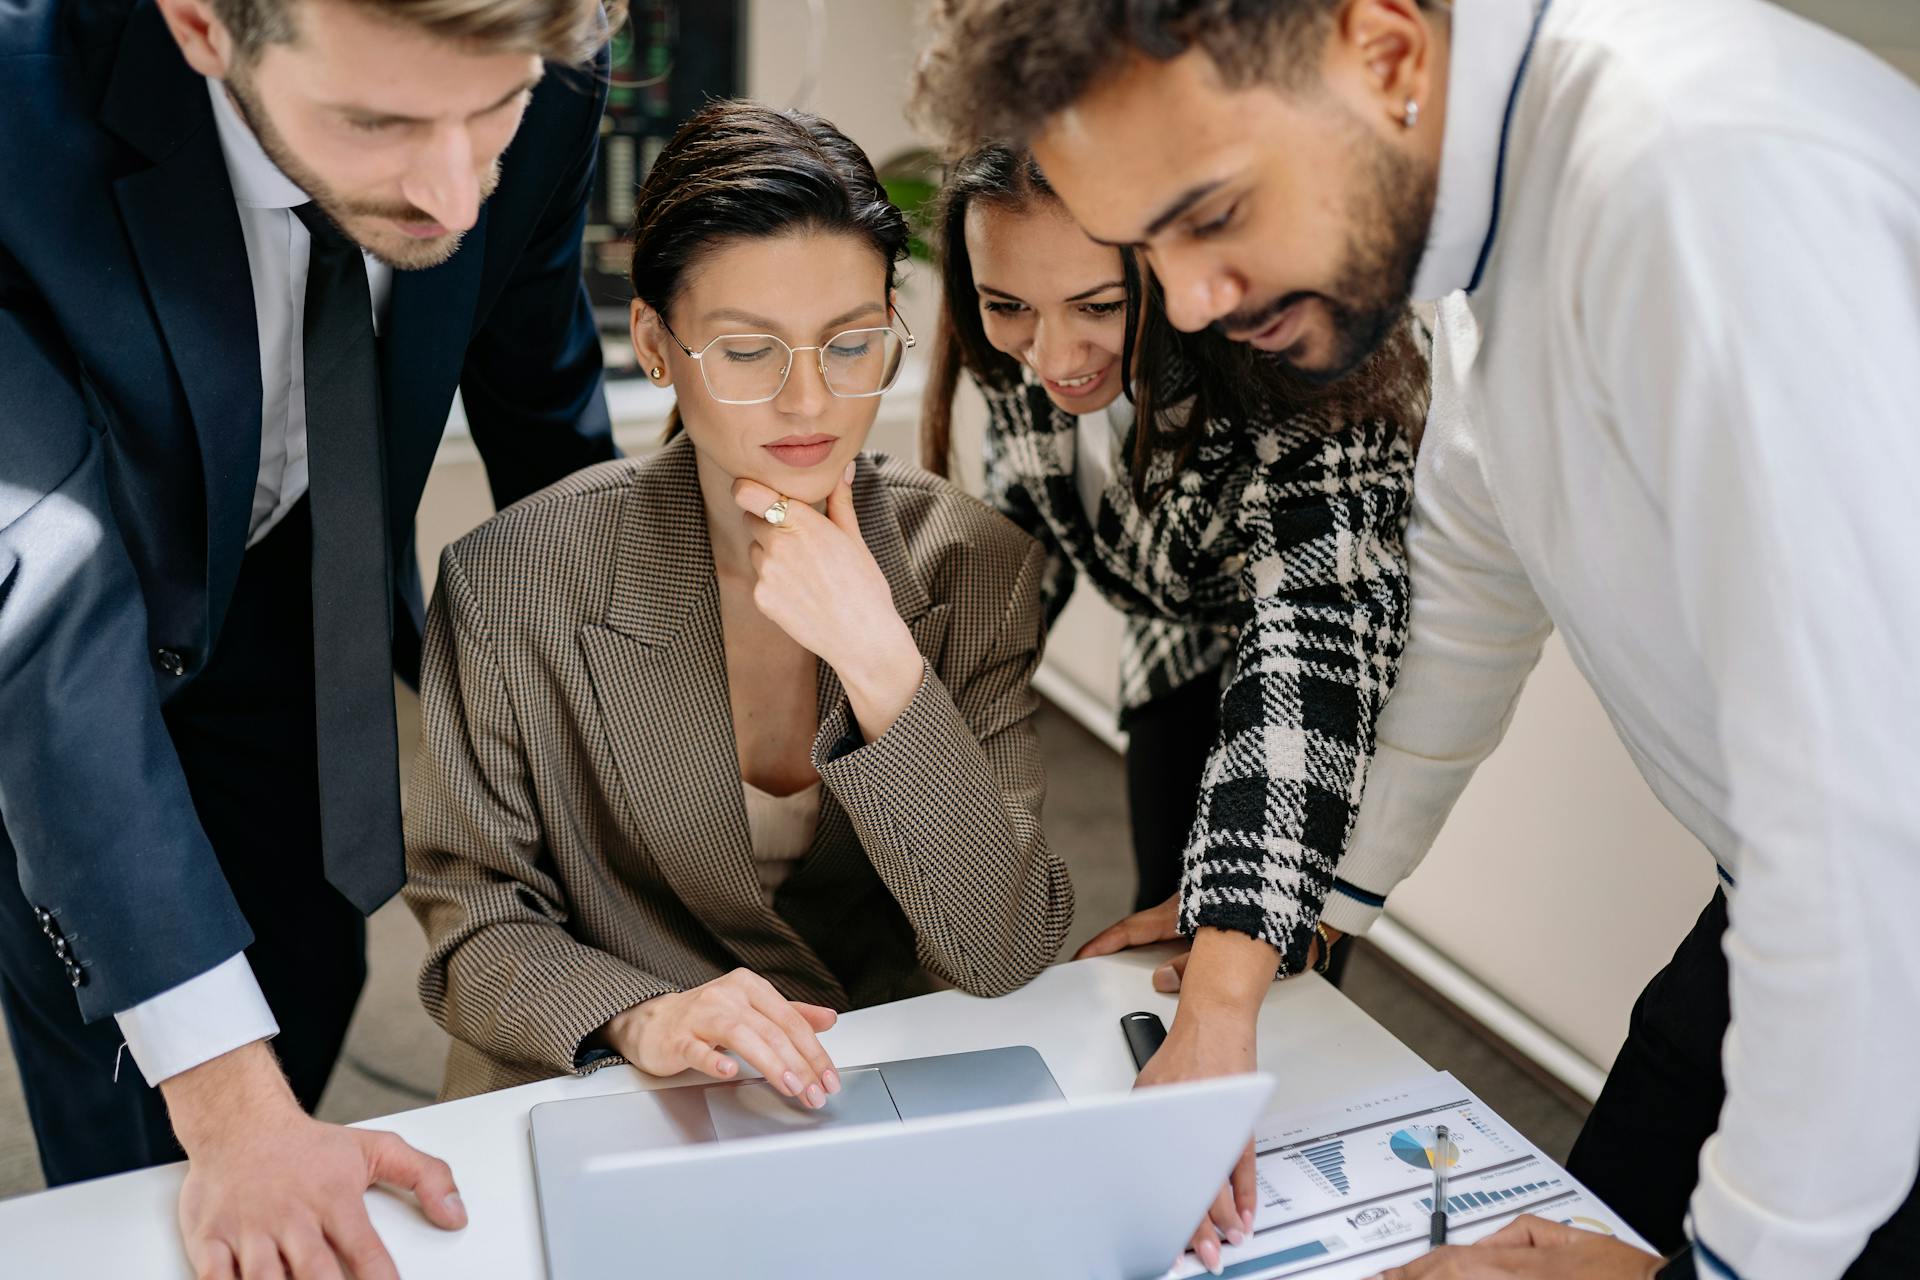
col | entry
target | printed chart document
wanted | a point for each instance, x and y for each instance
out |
(1347, 1191)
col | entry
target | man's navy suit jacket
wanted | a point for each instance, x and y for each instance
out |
(130, 410)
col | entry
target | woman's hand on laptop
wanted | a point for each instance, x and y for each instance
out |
(741, 1011)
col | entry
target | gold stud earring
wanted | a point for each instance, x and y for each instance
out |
(656, 373)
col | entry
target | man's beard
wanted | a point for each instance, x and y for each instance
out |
(402, 253)
(1388, 226)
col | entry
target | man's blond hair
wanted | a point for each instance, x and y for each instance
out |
(563, 31)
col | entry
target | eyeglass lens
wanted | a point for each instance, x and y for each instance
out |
(747, 368)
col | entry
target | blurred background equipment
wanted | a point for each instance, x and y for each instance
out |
(668, 60)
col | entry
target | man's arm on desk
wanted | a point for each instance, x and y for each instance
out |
(106, 841)
(268, 1183)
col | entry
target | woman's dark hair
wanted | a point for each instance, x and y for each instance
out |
(1228, 380)
(740, 170)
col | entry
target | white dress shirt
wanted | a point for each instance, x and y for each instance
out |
(1679, 419)
(223, 1008)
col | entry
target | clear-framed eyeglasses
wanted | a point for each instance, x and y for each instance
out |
(752, 368)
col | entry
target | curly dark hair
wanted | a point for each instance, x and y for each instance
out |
(1000, 68)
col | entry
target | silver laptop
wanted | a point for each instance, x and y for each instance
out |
(962, 1165)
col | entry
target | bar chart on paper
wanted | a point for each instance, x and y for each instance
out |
(1329, 1160)
(1347, 1191)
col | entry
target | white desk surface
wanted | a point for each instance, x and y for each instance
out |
(1316, 1041)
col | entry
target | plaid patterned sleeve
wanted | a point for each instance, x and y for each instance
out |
(1323, 521)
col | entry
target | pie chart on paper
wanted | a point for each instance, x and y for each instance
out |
(1413, 1143)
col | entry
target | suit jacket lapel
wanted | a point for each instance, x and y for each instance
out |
(185, 233)
(658, 667)
(421, 355)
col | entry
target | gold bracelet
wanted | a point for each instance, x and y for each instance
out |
(1326, 949)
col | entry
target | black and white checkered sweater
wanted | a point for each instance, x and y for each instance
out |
(1280, 548)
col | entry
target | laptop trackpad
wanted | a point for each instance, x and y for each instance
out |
(756, 1110)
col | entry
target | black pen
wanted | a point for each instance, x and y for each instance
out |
(1437, 1235)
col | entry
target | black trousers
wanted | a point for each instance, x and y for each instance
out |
(1168, 741)
(244, 731)
(1640, 1149)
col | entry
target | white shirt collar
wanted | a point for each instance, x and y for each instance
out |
(1488, 42)
(257, 180)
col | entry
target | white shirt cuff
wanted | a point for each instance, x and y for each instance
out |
(197, 1021)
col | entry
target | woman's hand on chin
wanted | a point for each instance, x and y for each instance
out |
(816, 580)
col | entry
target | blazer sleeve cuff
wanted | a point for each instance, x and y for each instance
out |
(197, 1021)
(562, 1015)
(841, 752)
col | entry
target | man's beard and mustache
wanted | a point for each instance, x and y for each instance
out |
(401, 252)
(1387, 237)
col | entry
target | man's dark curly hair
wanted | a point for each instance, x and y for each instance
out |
(1001, 68)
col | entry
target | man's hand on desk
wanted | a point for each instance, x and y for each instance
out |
(272, 1192)
(1162, 924)
(739, 1011)
(1530, 1246)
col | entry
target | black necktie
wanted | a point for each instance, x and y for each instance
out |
(352, 579)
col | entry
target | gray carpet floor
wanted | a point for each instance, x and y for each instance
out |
(394, 1052)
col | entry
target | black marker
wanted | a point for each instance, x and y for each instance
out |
(1144, 1032)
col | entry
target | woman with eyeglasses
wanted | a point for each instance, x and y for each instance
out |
(723, 740)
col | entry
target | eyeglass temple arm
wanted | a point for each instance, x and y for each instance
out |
(676, 337)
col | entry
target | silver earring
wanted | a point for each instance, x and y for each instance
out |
(1412, 115)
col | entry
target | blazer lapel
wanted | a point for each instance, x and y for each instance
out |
(185, 233)
(658, 667)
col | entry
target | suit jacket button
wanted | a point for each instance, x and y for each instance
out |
(41, 916)
(76, 976)
(170, 661)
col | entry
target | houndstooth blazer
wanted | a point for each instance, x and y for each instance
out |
(577, 840)
(1283, 542)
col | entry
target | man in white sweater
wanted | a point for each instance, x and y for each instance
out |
(1689, 438)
